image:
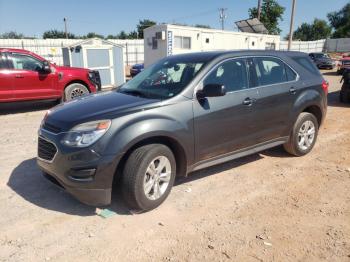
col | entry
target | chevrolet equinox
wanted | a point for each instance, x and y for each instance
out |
(184, 113)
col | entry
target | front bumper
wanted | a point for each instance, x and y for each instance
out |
(82, 172)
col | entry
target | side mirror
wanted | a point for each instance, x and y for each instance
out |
(211, 90)
(46, 67)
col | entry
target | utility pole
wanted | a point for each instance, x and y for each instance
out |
(222, 17)
(291, 26)
(65, 27)
(259, 9)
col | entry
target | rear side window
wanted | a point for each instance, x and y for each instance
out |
(232, 74)
(306, 63)
(270, 71)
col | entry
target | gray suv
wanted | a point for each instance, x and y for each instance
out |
(184, 113)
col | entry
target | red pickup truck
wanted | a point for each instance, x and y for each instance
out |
(27, 76)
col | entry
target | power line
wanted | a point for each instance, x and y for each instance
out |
(223, 17)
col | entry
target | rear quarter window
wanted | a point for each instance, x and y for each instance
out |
(307, 64)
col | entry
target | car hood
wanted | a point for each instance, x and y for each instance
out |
(105, 105)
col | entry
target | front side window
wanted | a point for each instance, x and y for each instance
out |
(270, 71)
(25, 62)
(3, 63)
(164, 79)
(321, 55)
(232, 74)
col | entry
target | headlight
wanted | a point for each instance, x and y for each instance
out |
(86, 134)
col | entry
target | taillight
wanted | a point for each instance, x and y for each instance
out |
(325, 85)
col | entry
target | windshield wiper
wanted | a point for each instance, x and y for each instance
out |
(132, 92)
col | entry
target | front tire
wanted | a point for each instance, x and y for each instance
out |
(148, 176)
(74, 90)
(303, 136)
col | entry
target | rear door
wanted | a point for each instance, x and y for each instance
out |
(29, 80)
(6, 80)
(276, 83)
(227, 123)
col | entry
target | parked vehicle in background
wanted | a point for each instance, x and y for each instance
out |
(322, 60)
(27, 76)
(135, 69)
(343, 64)
(182, 114)
(345, 89)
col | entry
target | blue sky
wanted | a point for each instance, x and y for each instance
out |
(33, 17)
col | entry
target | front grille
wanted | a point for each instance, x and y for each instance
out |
(51, 128)
(46, 149)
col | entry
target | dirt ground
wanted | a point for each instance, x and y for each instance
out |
(265, 207)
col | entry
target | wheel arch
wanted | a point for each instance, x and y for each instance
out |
(176, 148)
(316, 111)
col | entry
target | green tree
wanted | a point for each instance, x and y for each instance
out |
(143, 24)
(93, 35)
(271, 15)
(111, 36)
(12, 35)
(340, 21)
(57, 34)
(133, 35)
(122, 35)
(318, 29)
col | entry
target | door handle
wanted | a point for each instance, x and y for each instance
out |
(19, 76)
(248, 101)
(292, 90)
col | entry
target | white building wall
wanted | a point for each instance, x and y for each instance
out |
(202, 40)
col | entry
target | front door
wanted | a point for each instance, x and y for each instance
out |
(29, 82)
(6, 81)
(225, 124)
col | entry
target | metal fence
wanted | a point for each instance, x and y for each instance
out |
(337, 45)
(51, 49)
(325, 45)
(304, 46)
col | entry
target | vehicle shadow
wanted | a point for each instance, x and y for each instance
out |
(24, 107)
(28, 182)
(333, 100)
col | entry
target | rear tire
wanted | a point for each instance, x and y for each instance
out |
(303, 136)
(73, 91)
(148, 176)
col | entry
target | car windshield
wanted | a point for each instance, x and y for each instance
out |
(322, 56)
(165, 79)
